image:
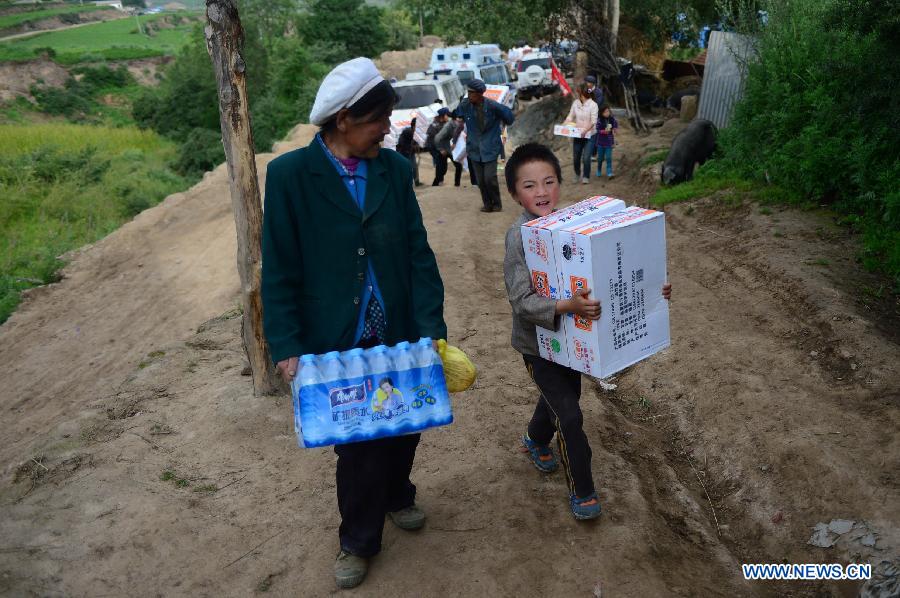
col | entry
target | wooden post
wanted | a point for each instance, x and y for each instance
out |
(225, 41)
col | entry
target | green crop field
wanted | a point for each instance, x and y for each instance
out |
(64, 185)
(112, 40)
(11, 20)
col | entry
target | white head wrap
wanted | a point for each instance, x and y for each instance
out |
(343, 87)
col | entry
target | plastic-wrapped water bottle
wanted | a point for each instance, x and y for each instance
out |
(379, 360)
(403, 357)
(309, 371)
(424, 353)
(331, 368)
(355, 364)
(308, 376)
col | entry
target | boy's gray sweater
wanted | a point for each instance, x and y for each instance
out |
(529, 309)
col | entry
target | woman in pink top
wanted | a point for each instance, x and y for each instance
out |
(584, 114)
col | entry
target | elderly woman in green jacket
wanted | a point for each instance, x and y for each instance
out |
(346, 263)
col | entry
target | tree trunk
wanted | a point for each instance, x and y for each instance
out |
(613, 25)
(225, 41)
(421, 26)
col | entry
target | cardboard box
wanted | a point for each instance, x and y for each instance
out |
(538, 242)
(459, 151)
(621, 257)
(570, 130)
(500, 94)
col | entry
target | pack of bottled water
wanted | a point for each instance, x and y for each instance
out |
(356, 395)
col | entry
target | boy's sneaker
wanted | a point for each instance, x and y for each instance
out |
(541, 455)
(411, 518)
(349, 570)
(610, 177)
(585, 508)
(584, 181)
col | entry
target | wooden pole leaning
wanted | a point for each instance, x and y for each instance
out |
(225, 41)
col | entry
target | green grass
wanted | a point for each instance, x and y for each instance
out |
(65, 185)
(15, 19)
(702, 185)
(684, 54)
(880, 243)
(110, 40)
(655, 157)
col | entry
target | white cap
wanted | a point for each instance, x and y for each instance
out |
(343, 87)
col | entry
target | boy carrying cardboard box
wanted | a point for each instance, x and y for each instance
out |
(533, 178)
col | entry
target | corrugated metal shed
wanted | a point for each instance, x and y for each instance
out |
(723, 77)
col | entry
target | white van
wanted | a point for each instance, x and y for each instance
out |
(474, 61)
(423, 89)
(472, 55)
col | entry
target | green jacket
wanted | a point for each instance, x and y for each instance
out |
(316, 244)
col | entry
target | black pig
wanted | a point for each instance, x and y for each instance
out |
(695, 144)
(674, 100)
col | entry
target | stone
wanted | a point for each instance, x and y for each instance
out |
(688, 108)
(840, 526)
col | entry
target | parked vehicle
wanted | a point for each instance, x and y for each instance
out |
(474, 61)
(564, 54)
(424, 89)
(535, 72)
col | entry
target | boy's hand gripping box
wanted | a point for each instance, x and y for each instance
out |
(542, 261)
(621, 257)
(570, 130)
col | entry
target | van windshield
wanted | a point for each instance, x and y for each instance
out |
(544, 63)
(465, 76)
(415, 96)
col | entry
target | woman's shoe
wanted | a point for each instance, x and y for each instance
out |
(349, 570)
(541, 455)
(411, 518)
(585, 508)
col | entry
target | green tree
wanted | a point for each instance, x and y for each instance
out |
(187, 97)
(267, 21)
(352, 22)
(402, 32)
(819, 114)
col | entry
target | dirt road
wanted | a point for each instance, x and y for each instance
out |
(136, 460)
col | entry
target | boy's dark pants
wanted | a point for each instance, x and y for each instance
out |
(558, 412)
(372, 479)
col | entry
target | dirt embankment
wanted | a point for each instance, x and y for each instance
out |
(136, 456)
(61, 22)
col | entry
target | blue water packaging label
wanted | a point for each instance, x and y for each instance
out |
(384, 401)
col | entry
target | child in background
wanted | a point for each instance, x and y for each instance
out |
(606, 139)
(533, 178)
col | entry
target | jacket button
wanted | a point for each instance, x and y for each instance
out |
(356, 301)
(361, 251)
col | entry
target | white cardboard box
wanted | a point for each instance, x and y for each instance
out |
(570, 130)
(538, 242)
(500, 94)
(621, 257)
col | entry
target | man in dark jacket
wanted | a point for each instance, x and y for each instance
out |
(406, 147)
(438, 155)
(484, 119)
(596, 92)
